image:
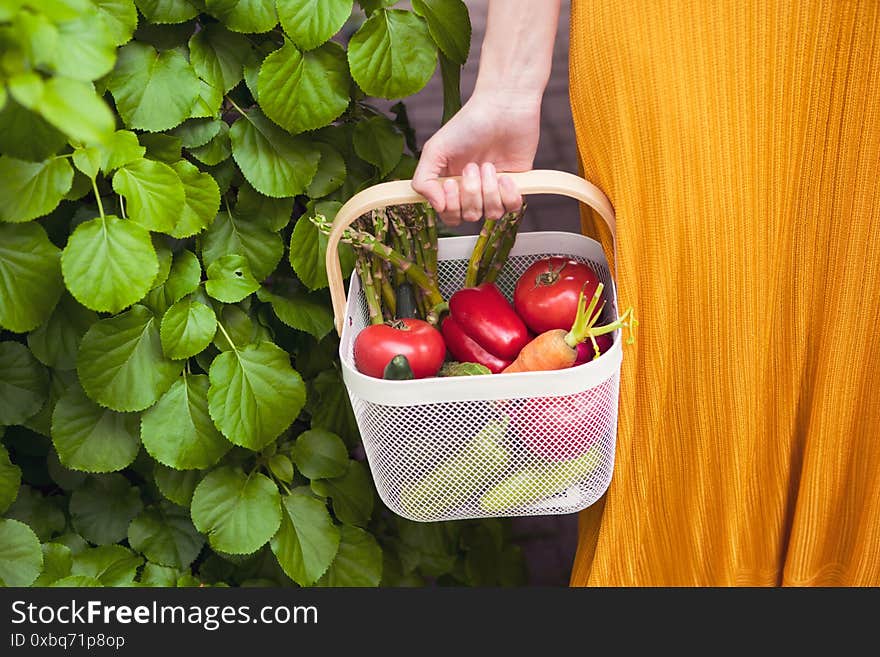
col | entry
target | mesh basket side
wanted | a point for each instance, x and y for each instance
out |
(475, 459)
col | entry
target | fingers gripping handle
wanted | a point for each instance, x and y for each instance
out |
(399, 192)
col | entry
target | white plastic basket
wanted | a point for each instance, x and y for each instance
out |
(532, 443)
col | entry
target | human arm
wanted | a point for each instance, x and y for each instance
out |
(498, 128)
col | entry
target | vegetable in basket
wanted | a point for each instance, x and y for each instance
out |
(539, 482)
(454, 482)
(378, 344)
(547, 293)
(482, 327)
(557, 349)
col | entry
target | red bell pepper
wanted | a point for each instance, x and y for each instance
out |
(482, 327)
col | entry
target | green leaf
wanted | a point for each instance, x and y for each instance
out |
(74, 542)
(65, 478)
(121, 18)
(176, 485)
(24, 384)
(377, 142)
(153, 192)
(91, 438)
(121, 364)
(32, 189)
(240, 327)
(307, 541)
(450, 26)
(358, 562)
(230, 279)
(56, 341)
(238, 512)
(253, 239)
(30, 276)
(209, 101)
(188, 327)
(219, 56)
(77, 582)
(41, 513)
(309, 23)
(159, 576)
(450, 75)
(120, 149)
(352, 494)
(201, 200)
(463, 369)
(197, 132)
(10, 480)
(109, 264)
(153, 91)
(255, 394)
(331, 172)
(87, 160)
(162, 147)
(217, 150)
(59, 380)
(304, 311)
(392, 55)
(26, 135)
(274, 162)
(85, 49)
(330, 407)
(308, 249)
(163, 253)
(281, 467)
(75, 109)
(21, 558)
(57, 562)
(319, 454)
(252, 206)
(303, 91)
(184, 277)
(178, 431)
(252, 16)
(168, 11)
(164, 534)
(111, 565)
(103, 507)
(370, 6)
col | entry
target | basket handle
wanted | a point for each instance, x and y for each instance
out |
(398, 192)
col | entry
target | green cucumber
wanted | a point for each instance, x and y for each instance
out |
(539, 482)
(398, 369)
(451, 483)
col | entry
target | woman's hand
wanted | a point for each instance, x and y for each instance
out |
(489, 134)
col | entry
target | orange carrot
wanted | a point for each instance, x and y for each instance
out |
(548, 351)
(557, 349)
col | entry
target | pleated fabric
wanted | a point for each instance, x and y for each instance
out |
(739, 142)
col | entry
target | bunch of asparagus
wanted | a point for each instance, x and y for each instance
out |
(396, 249)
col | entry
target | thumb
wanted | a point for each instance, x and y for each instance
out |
(426, 179)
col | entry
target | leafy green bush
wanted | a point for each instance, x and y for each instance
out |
(169, 382)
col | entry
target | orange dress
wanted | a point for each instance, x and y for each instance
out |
(739, 142)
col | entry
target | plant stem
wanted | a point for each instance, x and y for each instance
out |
(431, 230)
(98, 198)
(226, 335)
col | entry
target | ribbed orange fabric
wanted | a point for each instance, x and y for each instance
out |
(739, 142)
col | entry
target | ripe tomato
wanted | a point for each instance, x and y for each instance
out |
(421, 343)
(559, 429)
(546, 295)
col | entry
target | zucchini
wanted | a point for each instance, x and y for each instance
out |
(451, 483)
(406, 302)
(539, 482)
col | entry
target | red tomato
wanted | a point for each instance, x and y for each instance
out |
(546, 295)
(559, 429)
(421, 343)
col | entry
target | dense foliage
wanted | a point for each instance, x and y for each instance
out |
(171, 408)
